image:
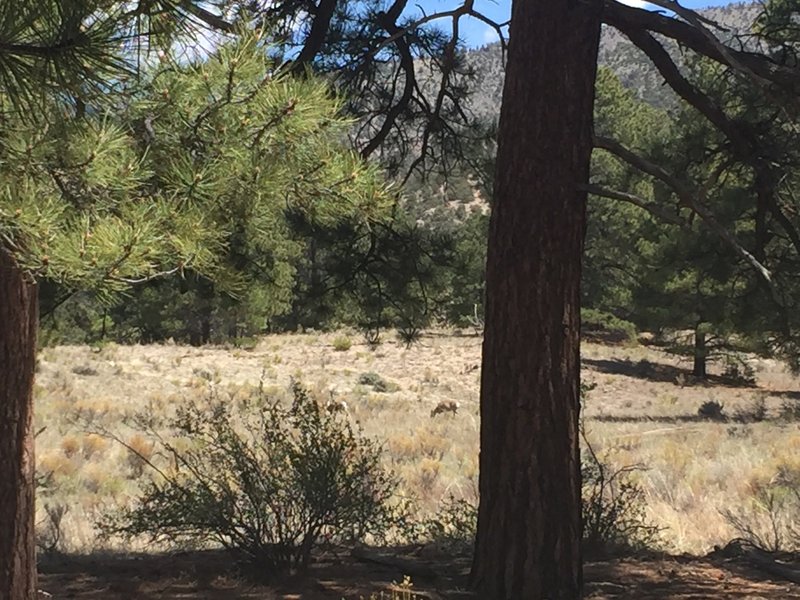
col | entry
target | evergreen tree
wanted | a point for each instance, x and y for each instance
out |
(92, 204)
(261, 156)
(646, 262)
(615, 230)
(715, 260)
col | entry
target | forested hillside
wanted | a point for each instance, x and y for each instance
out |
(616, 52)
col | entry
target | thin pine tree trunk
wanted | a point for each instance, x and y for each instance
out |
(529, 522)
(18, 326)
(700, 352)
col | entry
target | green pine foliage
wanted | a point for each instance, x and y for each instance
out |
(468, 271)
(257, 150)
(682, 272)
(74, 208)
(194, 174)
(616, 230)
(56, 48)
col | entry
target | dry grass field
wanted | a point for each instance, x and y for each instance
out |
(643, 411)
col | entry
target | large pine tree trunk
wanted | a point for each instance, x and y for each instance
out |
(529, 523)
(18, 325)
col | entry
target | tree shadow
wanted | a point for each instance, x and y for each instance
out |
(686, 577)
(212, 575)
(659, 372)
(788, 394)
(671, 419)
(215, 575)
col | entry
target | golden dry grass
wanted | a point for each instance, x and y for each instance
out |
(639, 413)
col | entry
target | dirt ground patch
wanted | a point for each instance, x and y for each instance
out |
(210, 575)
(684, 578)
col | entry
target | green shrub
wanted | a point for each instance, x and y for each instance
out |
(267, 483)
(375, 381)
(603, 326)
(342, 343)
(454, 526)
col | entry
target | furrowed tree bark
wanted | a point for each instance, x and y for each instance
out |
(529, 521)
(18, 325)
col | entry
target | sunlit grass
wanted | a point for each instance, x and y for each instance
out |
(692, 469)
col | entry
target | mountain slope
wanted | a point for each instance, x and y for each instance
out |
(616, 52)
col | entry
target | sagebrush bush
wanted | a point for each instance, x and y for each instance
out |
(342, 343)
(613, 503)
(613, 507)
(49, 531)
(769, 521)
(613, 512)
(375, 381)
(454, 526)
(140, 451)
(267, 482)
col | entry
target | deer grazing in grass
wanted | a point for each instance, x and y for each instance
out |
(335, 405)
(445, 406)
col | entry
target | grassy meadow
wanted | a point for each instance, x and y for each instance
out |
(642, 411)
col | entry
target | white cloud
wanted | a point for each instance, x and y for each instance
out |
(636, 3)
(489, 36)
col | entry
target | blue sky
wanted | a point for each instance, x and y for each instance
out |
(476, 33)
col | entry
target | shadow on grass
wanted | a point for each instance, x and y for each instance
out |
(788, 394)
(671, 419)
(658, 372)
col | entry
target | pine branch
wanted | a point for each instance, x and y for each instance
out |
(626, 19)
(635, 200)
